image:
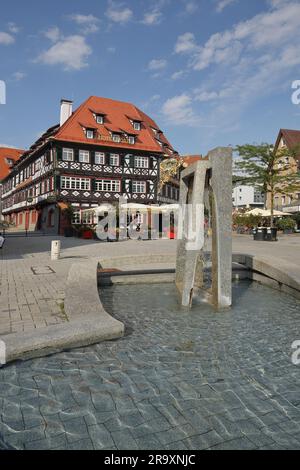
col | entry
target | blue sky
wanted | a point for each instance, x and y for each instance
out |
(210, 72)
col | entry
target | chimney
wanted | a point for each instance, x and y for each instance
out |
(65, 110)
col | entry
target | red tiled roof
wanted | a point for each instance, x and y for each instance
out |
(116, 117)
(190, 159)
(291, 137)
(11, 153)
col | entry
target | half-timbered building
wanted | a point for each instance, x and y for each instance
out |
(104, 150)
(8, 157)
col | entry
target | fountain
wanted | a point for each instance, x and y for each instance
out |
(205, 183)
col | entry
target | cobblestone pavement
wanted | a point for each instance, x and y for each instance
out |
(32, 287)
(176, 380)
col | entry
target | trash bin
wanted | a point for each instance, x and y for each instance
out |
(271, 234)
(259, 234)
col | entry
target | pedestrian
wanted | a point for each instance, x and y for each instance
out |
(2, 240)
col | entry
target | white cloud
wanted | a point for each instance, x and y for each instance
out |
(250, 61)
(19, 76)
(265, 30)
(178, 110)
(207, 96)
(53, 34)
(13, 28)
(111, 49)
(157, 64)
(222, 4)
(191, 7)
(88, 23)
(71, 52)
(178, 75)
(152, 18)
(150, 102)
(186, 43)
(118, 12)
(6, 38)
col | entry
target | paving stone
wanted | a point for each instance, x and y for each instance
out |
(124, 440)
(149, 442)
(236, 444)
(100, 436)
(173, 382)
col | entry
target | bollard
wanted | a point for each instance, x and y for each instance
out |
(55, 250)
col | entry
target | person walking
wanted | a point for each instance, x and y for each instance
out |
(2, 240)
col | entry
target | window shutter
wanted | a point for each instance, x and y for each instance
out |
(93, 185)
(59, 153)
(76, 155)
(57, 182)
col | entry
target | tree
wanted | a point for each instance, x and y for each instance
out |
(168, 169)
(270, 170)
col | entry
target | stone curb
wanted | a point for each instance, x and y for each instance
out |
(88, 322)
(265, 270)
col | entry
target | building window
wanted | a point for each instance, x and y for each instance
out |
(87, 217)
(9, 161)
(84, 156)
(99, 119)
(68, 155)
(138, 186)
(114, 159)
(108, 185)
(99, 158)
(131, 139)
(76, 217)
(141, 162)
(69, 182)
(137, 126)
(116, 138)
(89, 134)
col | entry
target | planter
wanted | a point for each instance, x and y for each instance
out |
(87, 235)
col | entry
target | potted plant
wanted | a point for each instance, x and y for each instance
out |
(286, 224)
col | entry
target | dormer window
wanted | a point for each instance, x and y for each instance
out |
(9, 161)
(131, 139)
(116, 138)
(90, 133)
(136, 125)
(100, 119)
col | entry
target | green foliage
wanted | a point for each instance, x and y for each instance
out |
(68, 213)
(296, 217)
(250, 221)
(268, 170)
(286, 223)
